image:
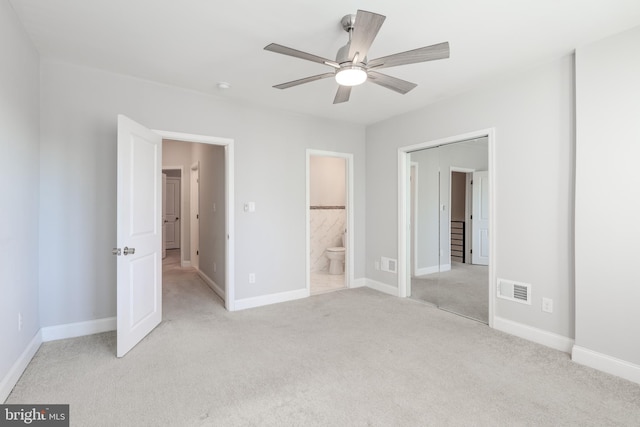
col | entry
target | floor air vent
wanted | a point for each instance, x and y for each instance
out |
(514, 291)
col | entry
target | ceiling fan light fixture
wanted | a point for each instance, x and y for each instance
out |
(351, 76)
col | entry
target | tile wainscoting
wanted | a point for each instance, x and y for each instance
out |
(327, 223)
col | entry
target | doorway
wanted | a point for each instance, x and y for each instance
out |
(437, 239)
(201, 245)
(139, 227)
(172, 202)
(329, 221)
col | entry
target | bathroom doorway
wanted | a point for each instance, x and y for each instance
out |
(329, 221)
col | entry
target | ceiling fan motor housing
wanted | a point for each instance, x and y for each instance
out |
(343, 56)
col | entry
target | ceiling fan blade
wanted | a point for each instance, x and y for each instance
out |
(303, 81)
(423, 54)
(365, 30)
(278, 48)
(393, 83)
(342, 95)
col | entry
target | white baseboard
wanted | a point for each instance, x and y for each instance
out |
(72, 330)
(382, 287)
(427, 270)
(540, 336)
(358, 283)
(16, 371)
(605, 363)
(433, 269)
(241, 304)
(186, 263)
(213, 285)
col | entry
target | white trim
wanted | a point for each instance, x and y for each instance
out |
(185, 263)
(403, 184)
(382, 287)
(605, 363)
(17, 369)
(253, 302)
(540, 336)
(349, 269)
(414, 250)
(359, 283)
(427, 270)
(433, 269)
(228, 144)
(213, 285)
(194, 210)
(404, 263)
(190, 137)
(229, 286)
(79, 329)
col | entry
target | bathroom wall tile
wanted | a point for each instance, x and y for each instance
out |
(326, 228)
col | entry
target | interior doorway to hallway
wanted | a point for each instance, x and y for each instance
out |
(194, 223)
(139, 240)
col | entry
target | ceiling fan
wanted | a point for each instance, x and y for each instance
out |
(351, 66)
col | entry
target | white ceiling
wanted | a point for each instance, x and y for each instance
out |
(197, 43)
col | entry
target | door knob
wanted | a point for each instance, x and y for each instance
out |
(129, 251)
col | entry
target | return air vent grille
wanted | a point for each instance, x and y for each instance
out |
(388, 264)
(521, 292)
(514, 291)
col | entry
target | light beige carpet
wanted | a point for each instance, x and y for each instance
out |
(347, 358)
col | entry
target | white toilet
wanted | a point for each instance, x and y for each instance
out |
(336, 258)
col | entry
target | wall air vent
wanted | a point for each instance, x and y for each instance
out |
(388, 264)
(514, 291)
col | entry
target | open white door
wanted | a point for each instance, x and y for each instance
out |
(139, 235)
(480, 221)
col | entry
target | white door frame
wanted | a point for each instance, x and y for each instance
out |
(414, 238)
(349, 270)
(194, 223)
(182, 185)
(228, 144)
(404, 265)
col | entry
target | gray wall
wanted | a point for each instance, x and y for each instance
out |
(79, 108)
(532, 113)
(212, 222)
(19, 164)
(608, 197)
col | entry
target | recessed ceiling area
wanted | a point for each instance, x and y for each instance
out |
(195, 44)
